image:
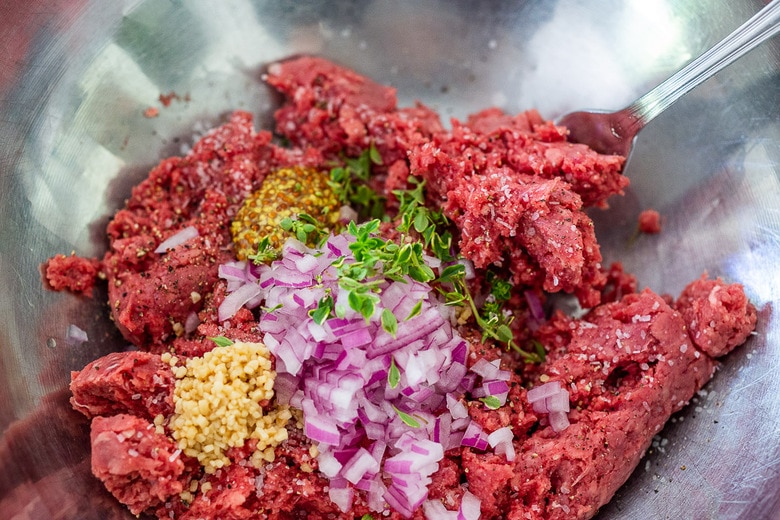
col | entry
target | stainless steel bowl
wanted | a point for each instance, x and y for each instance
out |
(76, 77)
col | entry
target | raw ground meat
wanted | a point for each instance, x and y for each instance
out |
(628, 363)
(72, 273)
(719, 316)
(135, 383)
(650, 222)
(543, 236)
(140, 467)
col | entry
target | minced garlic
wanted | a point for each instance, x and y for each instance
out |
(217, 405)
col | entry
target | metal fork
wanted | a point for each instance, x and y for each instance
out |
(615, 132)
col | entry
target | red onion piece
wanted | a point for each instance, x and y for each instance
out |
(558, 402)
(559, 421)
(501, 441)
(485, 368)
(398, 501)
(470, 507)
(495, 387)
(360, 464)
(328, 464)
(191, 323)
(534, 305)
(457, 409)
(235, 300)
(341, 494)
(319, 429)
(178, 238)
(550, 398)
(546, 390)
(435, 510)
(474, 437)
(469, 268)
(347, 215)
(233, 272)
(75, 335)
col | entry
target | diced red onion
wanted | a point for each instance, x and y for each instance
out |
(461, 424)
(328, 464)
(459, 352)
(534, 305)
(233, 271)
(399, 503)
(485, 368)
(347, 215)
(435, 510)
(341, 494)
(235, 300)
(357, 338)
(319, 429)
(546, 390)
(470, 507)
(361, 463)
(559, 421)
(75, 335)
(178, 238)
(558, 402)
(457, 409)
(475, 437)
(501, 441)
(468, 266)
(552, 399)
(307, 263)
(495, 387)
(337, 373)
(432, 261)
(191, 323)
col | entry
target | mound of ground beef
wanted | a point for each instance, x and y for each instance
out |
(71, 273)
(515, 190)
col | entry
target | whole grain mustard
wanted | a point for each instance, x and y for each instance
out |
(285, 193)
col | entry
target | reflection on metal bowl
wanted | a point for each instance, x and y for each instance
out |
(77, 78)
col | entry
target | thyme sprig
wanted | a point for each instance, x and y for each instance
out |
(376, 261)
(490, 318)
(432, 225)
(305, 228)
(350, 183)
(266, 253)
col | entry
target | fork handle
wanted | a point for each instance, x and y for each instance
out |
(764, 24)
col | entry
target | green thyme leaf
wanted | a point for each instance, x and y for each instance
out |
(415, 310)
(541, 354)
(305, 228)
(323, 310)
(350, 183)
(504, 333)
(491, 402)
(266, 253)
(221, 341)
(373, 154)
(406, 418)
(421, 221)
(452, 273)
(389, 322)
(393, 375)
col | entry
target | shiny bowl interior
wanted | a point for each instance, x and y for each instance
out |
(76, 78)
